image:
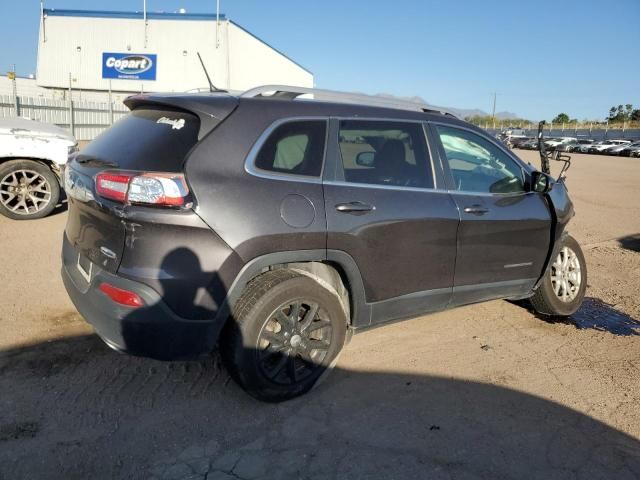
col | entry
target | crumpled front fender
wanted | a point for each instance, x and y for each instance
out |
(562, 211)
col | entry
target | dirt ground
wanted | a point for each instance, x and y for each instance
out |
(485, 391)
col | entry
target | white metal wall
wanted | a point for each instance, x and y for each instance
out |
(89, 118)
(239, 62)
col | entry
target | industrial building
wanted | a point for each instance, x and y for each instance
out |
(94, 52)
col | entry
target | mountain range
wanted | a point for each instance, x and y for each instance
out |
(461, 112)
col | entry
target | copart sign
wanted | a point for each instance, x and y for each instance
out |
(129, 66)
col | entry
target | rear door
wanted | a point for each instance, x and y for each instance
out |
(384, 211)
(504, 232)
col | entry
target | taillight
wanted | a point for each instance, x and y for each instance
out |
(123, 297)
(160, 189)
(113, 186)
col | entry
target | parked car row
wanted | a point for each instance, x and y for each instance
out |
(625, 148)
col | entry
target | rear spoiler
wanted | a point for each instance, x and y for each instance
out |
(211, 108)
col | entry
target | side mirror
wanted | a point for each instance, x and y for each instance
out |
(540, 182)
(365, 159)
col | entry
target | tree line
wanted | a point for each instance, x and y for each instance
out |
(617, 114)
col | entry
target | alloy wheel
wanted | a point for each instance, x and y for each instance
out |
(294, 342)
(566, 276)
(25, 192)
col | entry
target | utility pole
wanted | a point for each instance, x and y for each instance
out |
(493, 111)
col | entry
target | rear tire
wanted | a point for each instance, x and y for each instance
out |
(28, 190)
(286, 333)
(562, 290)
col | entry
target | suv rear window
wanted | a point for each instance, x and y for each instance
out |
(295, 147)
(147, 139)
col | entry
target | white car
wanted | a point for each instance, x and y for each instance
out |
(621, 149)
(32, 156)
(599, 147)
(555, 142)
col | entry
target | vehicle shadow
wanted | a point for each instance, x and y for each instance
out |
(630, 242)
(89, 411)
(598, 315)
(73, 408)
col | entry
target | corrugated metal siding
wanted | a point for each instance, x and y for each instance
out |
(89, 118)
(74, 46)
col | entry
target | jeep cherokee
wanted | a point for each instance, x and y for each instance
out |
(273, 226)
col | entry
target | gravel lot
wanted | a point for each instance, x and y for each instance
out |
(486, 391)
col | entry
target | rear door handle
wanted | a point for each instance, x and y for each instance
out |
(476, 210)
(354, 207)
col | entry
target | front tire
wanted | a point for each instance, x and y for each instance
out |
(28, 190)
(286, 332)
(562, 290)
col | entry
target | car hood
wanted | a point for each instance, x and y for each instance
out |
(24, 127)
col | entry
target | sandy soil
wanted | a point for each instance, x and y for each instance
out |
(485, 391)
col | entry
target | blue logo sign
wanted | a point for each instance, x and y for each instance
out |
(129, 66)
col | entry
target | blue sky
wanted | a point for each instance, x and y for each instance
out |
(541, 57)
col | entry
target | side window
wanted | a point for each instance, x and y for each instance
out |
(385, 153)
(477, 165)
(295, 147)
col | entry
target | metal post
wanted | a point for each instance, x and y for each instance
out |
(606, 130)
(144, 17)
(72, 125)
(44, 32)
(217, 23)
(14, 87)
(563, 126)
(110, 105)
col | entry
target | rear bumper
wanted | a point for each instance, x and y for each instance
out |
(153, 330)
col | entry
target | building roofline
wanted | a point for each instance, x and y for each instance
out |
(271, 47)
(55, 12)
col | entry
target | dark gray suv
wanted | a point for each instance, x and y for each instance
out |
(273, 226)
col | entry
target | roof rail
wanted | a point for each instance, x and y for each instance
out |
(292, 92)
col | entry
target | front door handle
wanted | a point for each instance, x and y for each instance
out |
(354, 207)
(476, 210)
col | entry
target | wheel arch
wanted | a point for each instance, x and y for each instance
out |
(335, 270)
(56, 168)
